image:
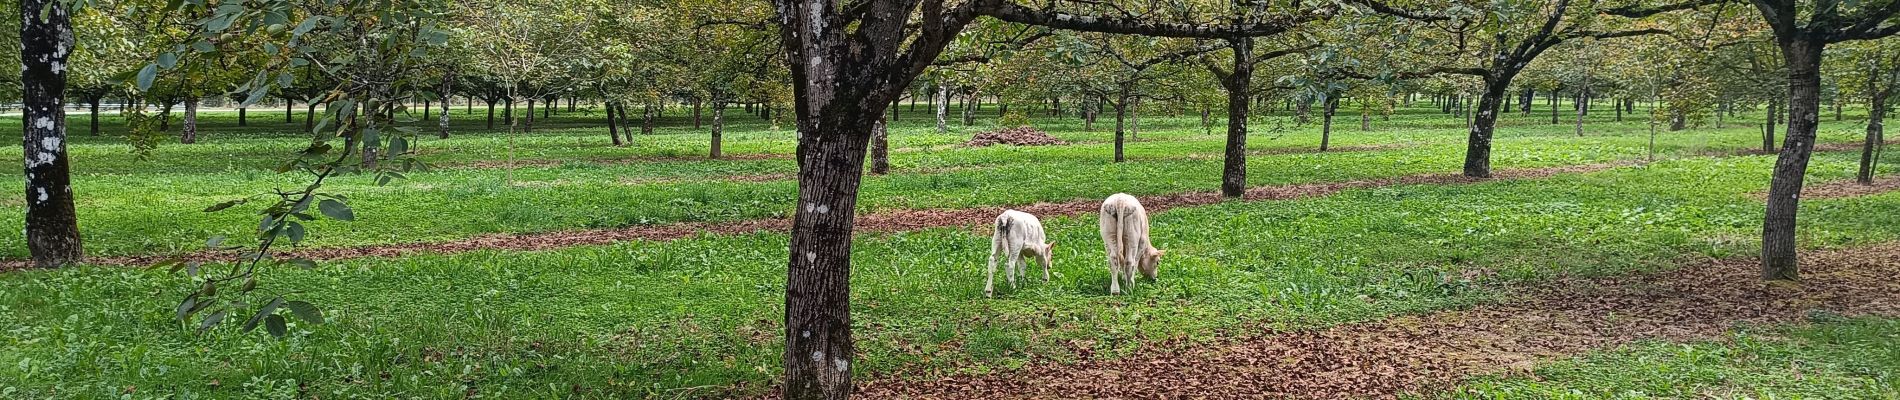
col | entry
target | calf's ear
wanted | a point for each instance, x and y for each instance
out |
(1049, 246)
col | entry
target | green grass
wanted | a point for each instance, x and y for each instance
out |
(1832, 359)
(660, 318)
(128, 206)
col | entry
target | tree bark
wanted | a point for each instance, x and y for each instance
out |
(243, 119)
(1478, 145)
(943, 109)
(289, 118)
(95, 117)
(646, 119)
(1233, 182)
(491, 114)
(1803, 57)
(613, 126)
(1876, 122)
(718, 128)
(1768, 128)
(527, 120)
(880, 149)
(695, 113)
(190, 131)
(310, 116)
(1121, 125)
(1326, 126)
(52, 226)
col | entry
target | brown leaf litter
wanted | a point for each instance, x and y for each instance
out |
(1418, 354)
(882, 221)
(1018, 136)
(1849, 188)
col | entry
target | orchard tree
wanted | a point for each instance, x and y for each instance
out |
(1803, 30)
(46, 41)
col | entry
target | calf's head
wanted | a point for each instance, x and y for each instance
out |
(1149, 261)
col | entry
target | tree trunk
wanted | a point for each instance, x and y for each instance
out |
(289, 118)
(1678, 120)
(527, 120)
(95, 117)
(1803, 57)
(491, 114)
(427, 107)
(190, 131)
(646, 119)
(310, 116)
(1581, 110)
(880, 148)
(1553, 107)
(1121, 119)
(1326, 126)
(1768, 128)
(695, 113)
(508, 112)
(718, 129)
(442, 120)
(943, 109)
(1530, 95)
(970, 105)
(613, 126)
(243, 120)
(52, 226)
(1134, 119)
(1233, 182)
(1619, 110)
(1478, 145)
(1876, 124)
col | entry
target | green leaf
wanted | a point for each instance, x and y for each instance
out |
(295, 232)
(146, 76)
(214, 242)
(269, 309)
(275, 325)
(203, 46)
(211, 320)
(305, 311)
(398, 145)
(306, 26)
(167, 60)
(185, 307)
(336, 209)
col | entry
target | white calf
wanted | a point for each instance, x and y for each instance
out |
(1125, 234)
(1018, 234)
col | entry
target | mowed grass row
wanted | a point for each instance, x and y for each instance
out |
(700, 316)
(126, 213)
(1833, 358)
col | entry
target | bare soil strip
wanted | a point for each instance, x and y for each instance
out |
(1419, 354)
(886, 221)
(1849, 188)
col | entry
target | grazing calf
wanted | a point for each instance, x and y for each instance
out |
(1125, 234)
(1018, 234)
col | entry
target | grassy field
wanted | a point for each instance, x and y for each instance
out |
(701, 316)
(1857, 358)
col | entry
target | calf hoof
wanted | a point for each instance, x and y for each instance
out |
(989, 294)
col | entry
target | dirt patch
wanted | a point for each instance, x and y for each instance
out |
(1019, 136)
(1415, 354)
(1282, 151)
(884, 221)
(1848, 188)
(1818, 147)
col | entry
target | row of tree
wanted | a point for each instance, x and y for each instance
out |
(842, 65)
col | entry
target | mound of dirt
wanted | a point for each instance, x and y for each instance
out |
(1023, 136)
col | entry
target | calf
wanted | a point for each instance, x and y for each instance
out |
(1018, 234)
(1125, 234)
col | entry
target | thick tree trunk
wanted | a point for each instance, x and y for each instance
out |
(310, 116)
(527, 120)
(970, 105)
(613, 126)
(1803, 57)
(1553, 107)
(508, 112)
(1233, 182)
(718, 129)
(1478, 145)
(491, 114)
(1619, 110)
(880, 148)
(190, 131)
(52, 226)
(1530, 95)
(695, 113)
(442, 121)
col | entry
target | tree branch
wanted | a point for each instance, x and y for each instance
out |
(1009, 11)
(1382, 8)
(1637, 11)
